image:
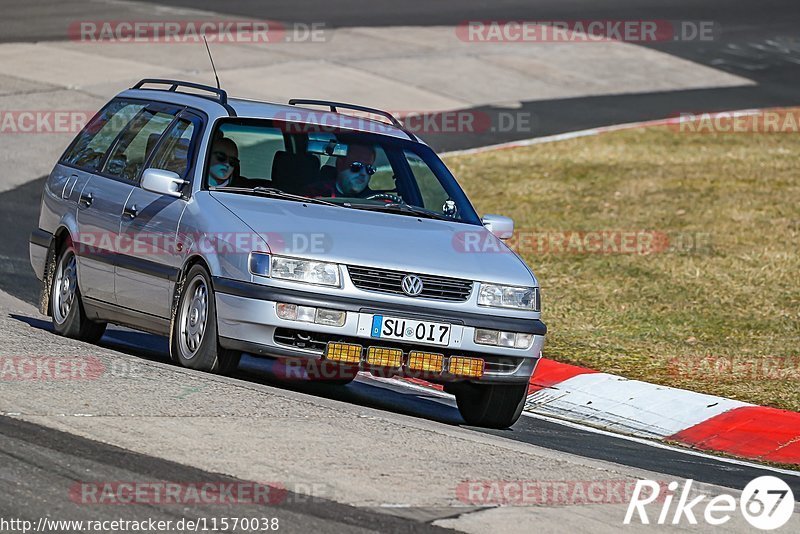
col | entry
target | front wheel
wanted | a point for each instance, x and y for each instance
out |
(194, 342)
(69, 317)
(491, 405)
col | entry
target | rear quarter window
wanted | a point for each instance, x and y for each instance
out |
(91, 144)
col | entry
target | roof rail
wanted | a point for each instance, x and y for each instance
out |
(222, 96)
(333, 105)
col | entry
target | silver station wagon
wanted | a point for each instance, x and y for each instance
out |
(313, 232)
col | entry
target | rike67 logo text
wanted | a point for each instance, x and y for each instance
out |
(767, 503)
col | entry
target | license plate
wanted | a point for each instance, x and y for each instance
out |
(410, 330)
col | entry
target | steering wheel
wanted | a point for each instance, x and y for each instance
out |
(387, 197)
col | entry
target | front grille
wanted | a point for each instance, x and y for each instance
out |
(434, 287)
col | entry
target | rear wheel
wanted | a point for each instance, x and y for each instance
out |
(69, 317)
(491, 405)
(194, 342)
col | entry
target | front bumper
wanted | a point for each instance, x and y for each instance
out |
(247, 320)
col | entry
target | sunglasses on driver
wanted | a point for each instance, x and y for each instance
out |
(356, 166)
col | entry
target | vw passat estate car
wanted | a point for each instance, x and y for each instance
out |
(302, 232)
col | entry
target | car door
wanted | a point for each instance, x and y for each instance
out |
(150, 225)
(99, 200)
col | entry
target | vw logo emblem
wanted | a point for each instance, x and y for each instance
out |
(412, 285)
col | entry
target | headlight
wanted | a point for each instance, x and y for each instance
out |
(521, 298)
(294, 269)
(306, 271)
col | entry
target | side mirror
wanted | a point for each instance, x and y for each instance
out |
(502, 227)
(162, 182)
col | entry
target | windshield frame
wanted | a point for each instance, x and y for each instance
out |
(394, 146)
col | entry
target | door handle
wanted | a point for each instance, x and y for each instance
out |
(69, 185)
(130, 211)
(86, 199)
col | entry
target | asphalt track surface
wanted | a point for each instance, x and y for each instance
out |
(40, 466)
(759, 41)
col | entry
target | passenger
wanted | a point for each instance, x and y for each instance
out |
(353, 173)
(224, 162)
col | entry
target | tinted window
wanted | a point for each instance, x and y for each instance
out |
(339, 165)
(173, 153)
(431, 190)
(91, 144)
(257, 147)
(136, 144)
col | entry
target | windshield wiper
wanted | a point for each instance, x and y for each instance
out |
(273, 192)
(404, 208)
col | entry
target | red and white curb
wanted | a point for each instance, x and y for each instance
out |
(619, 405)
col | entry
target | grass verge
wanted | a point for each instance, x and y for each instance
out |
(709, 300)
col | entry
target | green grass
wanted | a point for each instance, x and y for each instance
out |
(721, 319)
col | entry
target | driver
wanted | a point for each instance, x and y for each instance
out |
(223, 164)
(353, 173)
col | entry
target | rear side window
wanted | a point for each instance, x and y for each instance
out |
(136, 144)
(89, 147)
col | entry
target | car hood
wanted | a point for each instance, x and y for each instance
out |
(397, 242)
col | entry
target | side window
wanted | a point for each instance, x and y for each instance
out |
(91, 144)
(256, 146)
(174, 151)
(136, 144)
(433, 194)
(383, 179)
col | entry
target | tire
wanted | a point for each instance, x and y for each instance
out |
(491, 405)
(194, 342)
(68, 316)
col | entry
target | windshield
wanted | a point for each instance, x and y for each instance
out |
(354, 169)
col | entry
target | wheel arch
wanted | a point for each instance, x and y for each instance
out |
(61, 237)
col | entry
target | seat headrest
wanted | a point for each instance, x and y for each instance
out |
(293, 172)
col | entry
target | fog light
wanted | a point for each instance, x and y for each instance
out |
(343, 352)
(523, 340)
(306, 314)
(384, 357)
(486, 337)
(310, 314)
(464, 366)
(506, 339)
(293, 312)
(330, 317)
(425, 361)
(516, 340)
(287, 311)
